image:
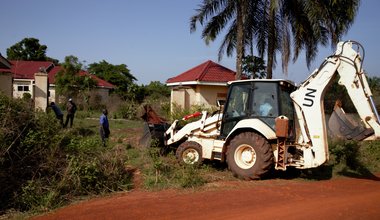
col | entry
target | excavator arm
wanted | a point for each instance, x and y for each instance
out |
(346, 63)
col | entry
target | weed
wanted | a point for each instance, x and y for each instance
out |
(190, 177)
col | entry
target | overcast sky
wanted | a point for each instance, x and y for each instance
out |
(152, 37)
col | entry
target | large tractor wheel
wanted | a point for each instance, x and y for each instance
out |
(249, 156)
(189, 152)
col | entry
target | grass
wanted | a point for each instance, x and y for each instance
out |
(346, 158)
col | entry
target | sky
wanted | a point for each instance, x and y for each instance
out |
(152, 37)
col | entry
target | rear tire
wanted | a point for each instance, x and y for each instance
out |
(249, 156)
(189, 152)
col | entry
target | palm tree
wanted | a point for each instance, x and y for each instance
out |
(275, 26)
(224, 13)
(311, 23)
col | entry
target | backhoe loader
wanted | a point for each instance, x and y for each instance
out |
(268, 123)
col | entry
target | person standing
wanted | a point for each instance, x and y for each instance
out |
(104, 127)
(71, 108)
(58, 112)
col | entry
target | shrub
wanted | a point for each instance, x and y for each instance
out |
(190, 177)
(27, 140)
(360, 158)
(128, 110)
(43, 167)
(163, 171)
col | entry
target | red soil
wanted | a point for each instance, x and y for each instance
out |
(340, 198)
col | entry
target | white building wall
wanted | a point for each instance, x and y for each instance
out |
(206, 95)
(52, 94)
(41, 90)
(21, 85)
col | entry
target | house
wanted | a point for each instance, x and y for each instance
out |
(205, 84)
(24, 79)
(5, 76)
(23, 76)
(102, 90)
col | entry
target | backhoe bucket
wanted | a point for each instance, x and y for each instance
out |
(344, 127)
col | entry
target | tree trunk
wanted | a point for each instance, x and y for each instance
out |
(271, 44)
(241, 8)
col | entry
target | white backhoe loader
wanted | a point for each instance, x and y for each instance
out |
(273, 122)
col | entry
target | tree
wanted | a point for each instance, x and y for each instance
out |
(71, 83)
(374, 83)
(118, 75)
(156, 90)
(306, 23)
(232, 13)
(275, 26)
(29, 49)
(254, 67)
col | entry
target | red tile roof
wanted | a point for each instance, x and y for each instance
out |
(205, 72)
(5, 65)
(27, 69)
(101, 82)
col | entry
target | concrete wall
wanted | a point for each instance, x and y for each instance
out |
(52, 94)
(206, 95)
(178, 97)
(103, 93)
(6, 84)
(41, 91)
(21, 86)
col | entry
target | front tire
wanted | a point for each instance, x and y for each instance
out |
(249, 156)
(189, 152)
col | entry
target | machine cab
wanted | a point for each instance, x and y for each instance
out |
(261, 99)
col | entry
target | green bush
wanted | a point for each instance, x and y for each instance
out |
(190, 177)
(128, 110)
(36, 196)
(163, 171)
(352, 157)
(370, 155)
(43, 166)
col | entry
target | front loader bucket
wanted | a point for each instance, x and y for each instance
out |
(154, 128)
(344, 127)
(146, 137)
(154, 132)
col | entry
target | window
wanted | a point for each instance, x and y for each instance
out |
(264, 100)
(23, 88)
(238, 103)
(237, 107)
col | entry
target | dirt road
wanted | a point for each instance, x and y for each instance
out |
(341, 198)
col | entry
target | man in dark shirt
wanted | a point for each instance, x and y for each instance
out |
(104, 126)
(58, 112)
(71, 108)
